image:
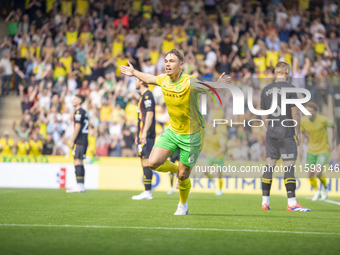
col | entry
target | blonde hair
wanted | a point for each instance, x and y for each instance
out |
(281, 68)
(312, 105)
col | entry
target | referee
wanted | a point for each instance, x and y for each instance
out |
(146, 135)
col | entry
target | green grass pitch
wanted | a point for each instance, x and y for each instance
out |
(215, 225)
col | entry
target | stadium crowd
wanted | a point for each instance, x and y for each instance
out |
(57, 48)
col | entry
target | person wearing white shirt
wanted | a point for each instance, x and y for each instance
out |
(211, 58)
(7, 71)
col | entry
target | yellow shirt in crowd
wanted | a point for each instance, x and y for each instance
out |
(35, 148)
(6, 146)
(66, 7)
(260, 63)
(67, 62)
(71, 37)
(23, 148)
(82, 7)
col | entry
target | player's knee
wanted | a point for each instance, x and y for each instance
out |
(310, 174)
(153, 163)
(78, 162)
(268, 172)
(182, 176)
(319, 175)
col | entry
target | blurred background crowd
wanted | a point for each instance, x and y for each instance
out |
(57, 48)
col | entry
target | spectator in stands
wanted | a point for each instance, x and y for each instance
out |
(77, 47)
(63, 147)
(22, 147)
(23, 131)
(36, 145)
(48, 146)
(7, 71)
(6, 145)
(102, 147)
(127, 142)
(115, 149)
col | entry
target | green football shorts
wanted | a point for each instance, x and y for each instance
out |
(317, 159)
(190, 146)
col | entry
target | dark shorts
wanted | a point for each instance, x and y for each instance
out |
(284, 148)
(79, 151)
(144, 151)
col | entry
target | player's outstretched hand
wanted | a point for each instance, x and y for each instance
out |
(224, 79)
(127, 70)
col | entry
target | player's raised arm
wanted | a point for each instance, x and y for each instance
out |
(131, 71)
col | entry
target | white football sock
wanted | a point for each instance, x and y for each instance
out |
(265, 200)
(185, 205)
(292, 201)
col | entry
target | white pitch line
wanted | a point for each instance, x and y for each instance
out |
(327, 201)
(332, 202)
(169, 228)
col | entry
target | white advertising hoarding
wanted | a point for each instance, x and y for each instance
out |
(44, 176)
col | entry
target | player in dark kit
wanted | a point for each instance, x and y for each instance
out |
(79, 142)
(146, 135)
(280, 140)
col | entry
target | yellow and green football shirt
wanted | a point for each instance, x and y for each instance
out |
(35, 148)
(23, 147)
(317, 132)
(67, 62)
(6, 146)
(71, 37)
(182, 105)
(66, 8)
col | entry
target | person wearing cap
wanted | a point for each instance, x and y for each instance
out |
(6, 145)
(23, 131)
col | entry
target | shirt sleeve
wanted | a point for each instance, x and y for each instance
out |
(159, 79)
(77, 117)
(149, 103)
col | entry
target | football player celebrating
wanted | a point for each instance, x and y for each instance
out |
(186, 124)
(319, 144)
